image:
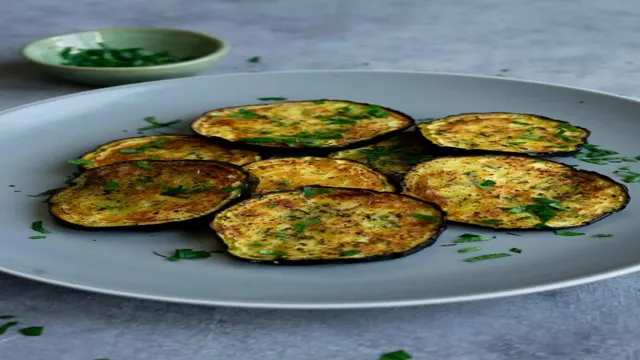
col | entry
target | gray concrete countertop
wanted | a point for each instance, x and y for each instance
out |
(586, 43)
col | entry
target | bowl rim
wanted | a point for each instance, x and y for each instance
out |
(220, 52)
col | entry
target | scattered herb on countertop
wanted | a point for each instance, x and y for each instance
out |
(186, 254)
(155, 124)
(487, 257)
(107, 57)
(4, 327)
(80, 162)
(350, 252)
(311, 192)
(628, 175)
(447, 245)
(595, 155)
(254, 59)
(516, 250)
(37, 237)
(469, 249)
(32, 331)
(37, 226)
(272, 99)
(46, 193)
(396, 355)
(5, 317)
(568, 233)
(465, 238)
(429, 218)
(603, 235)
(514, 234)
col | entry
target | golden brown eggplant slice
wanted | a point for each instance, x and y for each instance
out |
(137, 193)
(392, 157)
(288, 173)
(315, 224)
(315, 124)
(505, 132)
(515, 192)
(166, 147)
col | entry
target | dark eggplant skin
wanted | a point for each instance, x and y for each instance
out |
(250, 185)
(313, 151)
(284, 262)
(502, 229)
(453, 151)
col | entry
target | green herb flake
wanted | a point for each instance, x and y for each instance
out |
(103, 56)
(254, 59)
(425, 119)
(487, 257)
(466, 238)
(257, 244)
(376, 111)
(282, 235)
(80, 162)
(429, 218)
(155, 124)
(523, 218)
(520, 123)
(32, 331)
(302, 226)
(144, 165)
(171, 191)
(45, 193)
(154, 144)
(491, 221)
(319, 102)
(447, 245)
(144, 180)
(532, 137)
(37, 237)
(513, 234)
(469, 249)
(568, 127)
(272, 206)
(396, 355)
(111, 185)
(350, 252)
(4, 327)
(516, 250)
(37, 226)
(245, 114)
(485, 185)
(603, 235)
(568, 233)
(628, 176)
(188, 254)
(272, 99)
(232, 189)
(310, 192)
(272, 252)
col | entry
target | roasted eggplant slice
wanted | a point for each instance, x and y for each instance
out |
(505, 132)
(515, 192)
(136, 193)
(317, 224)
(289, 173)
(391, 157)
(318, 124)
(166, 147)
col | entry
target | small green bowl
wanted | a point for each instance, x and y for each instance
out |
(204, 50)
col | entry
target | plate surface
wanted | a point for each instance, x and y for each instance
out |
(37, 140)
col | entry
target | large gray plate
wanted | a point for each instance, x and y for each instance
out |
(37, 140)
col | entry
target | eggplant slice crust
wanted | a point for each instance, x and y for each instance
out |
(289, 173)
(392, 157)
(515, 192)
(139, 193)
(314, 124)
(166, 147)
(505, 132)
(316, 224)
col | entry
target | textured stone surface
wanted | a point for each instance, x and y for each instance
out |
(586, 43)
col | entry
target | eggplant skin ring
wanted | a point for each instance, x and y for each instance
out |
(289, 173)
(137, 193)
(515, 192)
(166, 147)
(319, 225)
(313, 124)
(510, 133)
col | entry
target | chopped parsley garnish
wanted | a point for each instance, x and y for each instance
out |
(350, 252)
(513, 234)
(465, 238)
(595, 155)
(186, 254)
(282, 235)
(396, 355)
(111, 185)
(46, 193)
(487, 257)
(37, 237)
(300, 138)
(429, 218)
(80, 162)
(302, 226)
(603, 235)
(232, 189)
(155, 124)
(310, 192)
(533, 137)
(486, 185)
(545, 210)
(271, 206)
(491, 221)
(568, 233)
(144, 165)
(32, 331)
(108, 57)
(516, 250)
(155, 144)
(245, 114)
(37, 226)
(469, 249)
(254, 59)
(144, 180)
(523, 218)
(272, 252)
(628, 175)
(568, 127)
(520, 123)
(377, 112)
(446, 245)
(272, 98)
(4, 327)
(171, 191)
(257, 244)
